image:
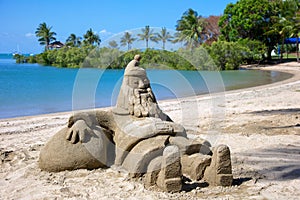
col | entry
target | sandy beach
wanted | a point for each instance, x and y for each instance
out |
(261, 125)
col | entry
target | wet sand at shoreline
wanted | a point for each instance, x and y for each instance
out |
(261, 125)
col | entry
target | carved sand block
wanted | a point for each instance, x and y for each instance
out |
(188, 147)
(219, 173)
(170, 176)
(153, 170)
(140, 156)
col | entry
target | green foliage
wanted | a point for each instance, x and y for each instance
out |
(287, 22)
(127, 39)
(153, 59)
(147, 34)
(220, 55)
(190, 29)
(243, 40)
(90, 38)
(45, 35)
(255, 50)
(31, 59)
(228, 55)
(164, 36)
(24, 59)
(102, 58)
(250, 19)
(71, 57)
(113, 44)
(20, 58)
(246, 19)
(121, 59)
(199, 58)
(165, 60)
(73, 41)
(109, 58)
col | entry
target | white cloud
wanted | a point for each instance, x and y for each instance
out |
(29, 34)
(105, 32)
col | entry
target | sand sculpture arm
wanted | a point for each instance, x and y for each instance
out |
(89, 118)
(82, 123)
(131, 132)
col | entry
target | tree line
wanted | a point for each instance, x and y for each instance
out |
(247, 32)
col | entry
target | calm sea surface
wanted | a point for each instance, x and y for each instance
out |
(31, 89)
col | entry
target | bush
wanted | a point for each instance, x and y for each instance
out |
(255, 52)
(153, 59)
(20, 58)
(228, 55)
(221, 55)
(31, 59)
(199, 58)
(72, 57)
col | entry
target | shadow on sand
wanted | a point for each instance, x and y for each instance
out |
(189, 185)
(280, 164)
(278, 111)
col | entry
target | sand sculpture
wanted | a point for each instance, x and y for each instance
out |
(138, 137)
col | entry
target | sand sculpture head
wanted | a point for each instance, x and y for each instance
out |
(137, 57)
(136, 96)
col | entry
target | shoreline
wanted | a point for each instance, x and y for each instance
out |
(260, 125)
(249, 67)
(290, 70)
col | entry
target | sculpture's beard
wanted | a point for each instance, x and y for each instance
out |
(142, 103)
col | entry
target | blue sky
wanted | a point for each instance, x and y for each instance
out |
(20, 18)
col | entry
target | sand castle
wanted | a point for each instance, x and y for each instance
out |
(138, 137)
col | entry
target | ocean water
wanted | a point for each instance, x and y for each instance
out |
(31, 89)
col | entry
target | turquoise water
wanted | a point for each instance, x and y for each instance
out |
(31, 89)
(6, 56)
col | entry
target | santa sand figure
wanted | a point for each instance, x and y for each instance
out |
(138, 137)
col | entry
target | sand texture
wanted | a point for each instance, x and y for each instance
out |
(261, 125)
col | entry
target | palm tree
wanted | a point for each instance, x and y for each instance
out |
(147, 34)
(45, 35)
(282, 28)
(73, 40)
(113, 44)
(90, 38)
(287, 23)
(190, 29)
(164, 36)
(127, 39)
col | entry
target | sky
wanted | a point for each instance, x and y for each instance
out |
(19, 19)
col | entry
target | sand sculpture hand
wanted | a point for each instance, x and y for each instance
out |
(78, 132)
(177, 128)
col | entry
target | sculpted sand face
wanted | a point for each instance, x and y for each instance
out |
(136, 95)
(137, 136)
